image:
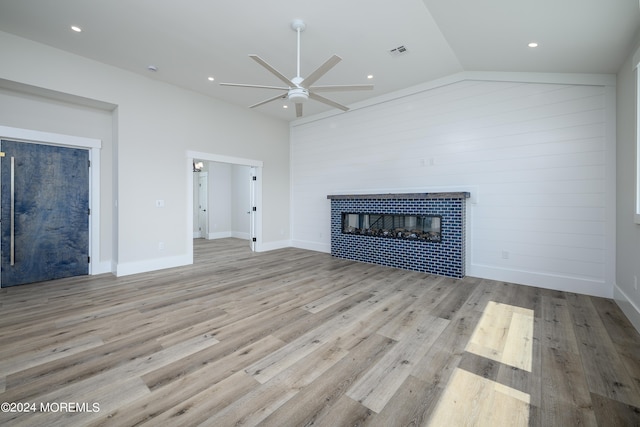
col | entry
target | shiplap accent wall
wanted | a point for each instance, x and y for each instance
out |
(536, 158)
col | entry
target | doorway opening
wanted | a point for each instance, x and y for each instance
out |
(223, 201)
(232, 205)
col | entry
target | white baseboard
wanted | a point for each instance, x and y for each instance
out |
(548, 281)
(271, 246)
(219, 235)
(125, 269)
(312, 246)
(240, 235)
(627, 306)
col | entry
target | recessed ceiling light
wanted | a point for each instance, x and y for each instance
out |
(210, 78)
(76, 28)
(370, 76)
(533, 44)
(285, 106)
(152, 68)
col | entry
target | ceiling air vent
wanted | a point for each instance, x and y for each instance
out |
(397, 51)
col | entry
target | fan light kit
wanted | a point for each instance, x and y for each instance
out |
(299, 89)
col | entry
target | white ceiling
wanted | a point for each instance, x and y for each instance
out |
(190, 40)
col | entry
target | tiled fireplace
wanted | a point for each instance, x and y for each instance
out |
(416, 231)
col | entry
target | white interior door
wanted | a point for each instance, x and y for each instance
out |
(203, 205)
(252, 204)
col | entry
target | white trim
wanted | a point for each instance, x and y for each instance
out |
(128, 268)
(252, 213)
(557, 282)
(219, 235)
(224, 159)
(610, 185)
(526, 77)
(636, 214)
(272, 246)
(94, 146)
(627, 306)
(241, 235)
(189, 240)
(49, 138)
(259, 243)
(311, 246)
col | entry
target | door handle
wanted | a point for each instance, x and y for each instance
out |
(12, 256)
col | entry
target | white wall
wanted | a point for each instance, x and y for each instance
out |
(156, 124)
(628, 233)
(219, 200)
(536, 157)
(240, 201)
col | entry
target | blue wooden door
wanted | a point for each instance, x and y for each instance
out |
(46, 234)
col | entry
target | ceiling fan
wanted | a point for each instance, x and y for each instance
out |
(299, 89)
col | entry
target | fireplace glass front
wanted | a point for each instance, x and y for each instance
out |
(410, 227)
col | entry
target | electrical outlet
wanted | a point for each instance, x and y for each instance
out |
(161, 246)
(505, 255)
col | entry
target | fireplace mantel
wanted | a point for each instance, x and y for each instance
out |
(443, 254)
(401, 196)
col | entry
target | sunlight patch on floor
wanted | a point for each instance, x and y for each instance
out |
(474, 400)
(504, 334)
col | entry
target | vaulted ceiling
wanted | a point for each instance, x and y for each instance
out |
(189, 41)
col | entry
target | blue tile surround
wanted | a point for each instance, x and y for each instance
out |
(445, 258)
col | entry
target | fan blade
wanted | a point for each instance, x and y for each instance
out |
(321, 71)
(256, 86)
(327, 101)
(298, 109)
(282, 96)
(340, 88)
(273, 71)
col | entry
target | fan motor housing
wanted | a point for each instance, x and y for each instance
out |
(298, 94)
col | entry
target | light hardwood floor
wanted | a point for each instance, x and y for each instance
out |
(294, 338)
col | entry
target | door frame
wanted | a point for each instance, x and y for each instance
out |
(257, 189)
(204, 231)
(93, 146)
(253, 202)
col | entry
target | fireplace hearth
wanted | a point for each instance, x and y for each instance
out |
(413, 231)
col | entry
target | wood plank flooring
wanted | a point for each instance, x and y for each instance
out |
(298, 338)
